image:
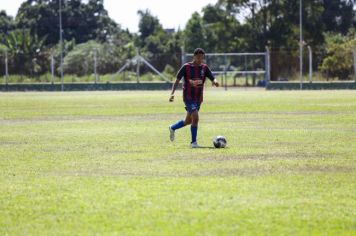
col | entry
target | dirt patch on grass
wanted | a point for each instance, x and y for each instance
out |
(256, 157)
(89, 118)
(215, 172)
(328, 169)
(11, 143)
(223, 172)
(293, 113)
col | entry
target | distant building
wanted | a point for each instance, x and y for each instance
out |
(170, 31)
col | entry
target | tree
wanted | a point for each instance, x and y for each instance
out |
(6, 24)
(79, 61)
(81, 21)
(339, 61)
(223, 30)
(27, 53)
(3, 50)
(195, 34)
(338, 15)
(148, 26)
(156, 45)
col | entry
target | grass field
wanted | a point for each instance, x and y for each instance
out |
(88, 163)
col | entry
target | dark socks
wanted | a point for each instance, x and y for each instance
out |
(178, 125)
(194, 131)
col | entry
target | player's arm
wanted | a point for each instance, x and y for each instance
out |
(180, 74)
(210, 75)
(174, 87)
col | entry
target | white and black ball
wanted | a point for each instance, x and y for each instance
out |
(219, 142)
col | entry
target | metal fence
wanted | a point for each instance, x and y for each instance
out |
(234, 69)
(285, 66)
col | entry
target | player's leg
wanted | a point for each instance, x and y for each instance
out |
(188, 119)
(179, 125)
(194, 127)
(195, 118)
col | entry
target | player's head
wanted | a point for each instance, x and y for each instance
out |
(199, 55)
(199, 51)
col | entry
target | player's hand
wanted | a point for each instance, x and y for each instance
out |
(171, 98)
(215, 83)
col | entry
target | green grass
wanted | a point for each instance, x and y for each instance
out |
(101, 163)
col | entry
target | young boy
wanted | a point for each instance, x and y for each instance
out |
(194, 74)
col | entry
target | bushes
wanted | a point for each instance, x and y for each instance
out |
(339, 60)
(80, 61)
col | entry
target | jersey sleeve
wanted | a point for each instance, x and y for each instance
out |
(181, 73)
(209, 74)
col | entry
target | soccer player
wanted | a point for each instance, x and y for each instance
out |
(194, 74)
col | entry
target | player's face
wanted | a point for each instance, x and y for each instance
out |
(199, 58)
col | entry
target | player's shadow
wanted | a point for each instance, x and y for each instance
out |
(206, 147)
(210, 147)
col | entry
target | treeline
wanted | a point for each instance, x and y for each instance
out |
(31, 39)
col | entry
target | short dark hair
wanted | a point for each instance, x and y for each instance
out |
(199, 51)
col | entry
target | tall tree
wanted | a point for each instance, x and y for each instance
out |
(339, 15)
(6, 24)
(148, 25)
(81, 21)
(195, 34)
(155, 44)
(222, 28)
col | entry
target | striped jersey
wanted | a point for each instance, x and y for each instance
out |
(194, 78)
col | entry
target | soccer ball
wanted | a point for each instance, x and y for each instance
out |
(219, 142)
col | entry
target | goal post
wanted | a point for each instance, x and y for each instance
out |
(232, 67)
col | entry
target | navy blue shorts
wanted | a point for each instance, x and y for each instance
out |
(190, 107)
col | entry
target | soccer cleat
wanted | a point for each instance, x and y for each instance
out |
(195, 145)
(171, 134)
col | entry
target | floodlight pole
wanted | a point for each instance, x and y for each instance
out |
(61, 43)
(300, 44)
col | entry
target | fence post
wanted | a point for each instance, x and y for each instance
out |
(95, 66)
(225, 70)
(52, 69)
(224, 78)
(310, 64)
(246, 76)
(355, 64)
(6, 71)
(138, 66)
(267, 65)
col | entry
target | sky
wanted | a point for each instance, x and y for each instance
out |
(171, 13)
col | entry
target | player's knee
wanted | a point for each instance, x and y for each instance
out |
(195, 120)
